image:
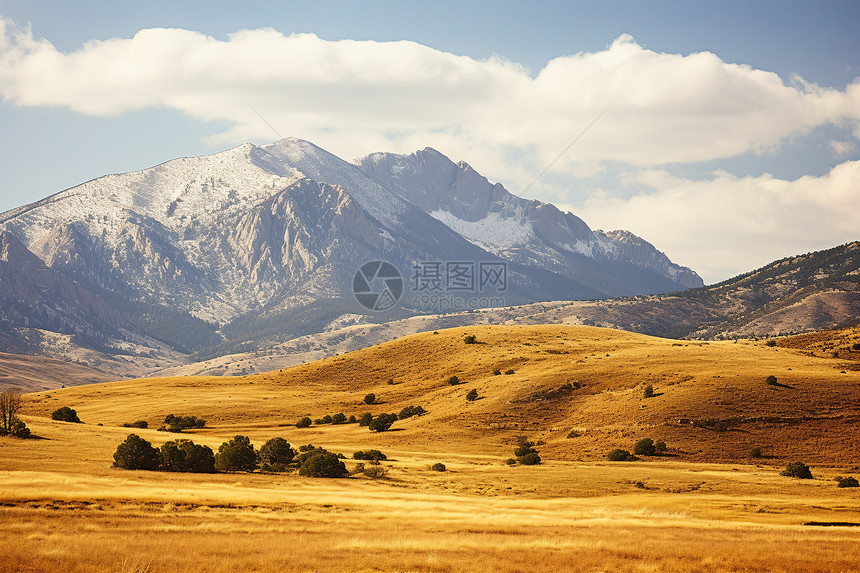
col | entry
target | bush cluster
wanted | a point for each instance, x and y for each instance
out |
(797, 470)
(438, 467)
(472, 395)
(142, 424)
(846, 481)
(370, 455)
(65, 414)
(454, 380)
(470, 339)
(619, 455)
(319, 462)
(186, 456)
(410, 411)
(382, 422)
(178, 423)
(648, 447)
(525, 452)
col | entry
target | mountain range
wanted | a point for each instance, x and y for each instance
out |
(255, 246)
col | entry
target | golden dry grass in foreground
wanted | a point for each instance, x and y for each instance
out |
(62, 507)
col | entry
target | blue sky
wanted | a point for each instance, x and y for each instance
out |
(729, 140)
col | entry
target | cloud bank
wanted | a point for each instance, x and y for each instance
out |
(355, 97)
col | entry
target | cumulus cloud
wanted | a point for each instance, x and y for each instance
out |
(360, 96)
(728, 225)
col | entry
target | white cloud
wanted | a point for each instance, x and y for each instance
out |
(729, 225)
(354, 97)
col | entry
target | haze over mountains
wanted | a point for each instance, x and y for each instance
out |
(254, 246)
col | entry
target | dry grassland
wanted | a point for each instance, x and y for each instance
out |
(62, 507)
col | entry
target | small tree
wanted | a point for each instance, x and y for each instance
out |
(410, 411)
(470, 339)
(10, 405)
(276, 451)
(369, 455)
(135, 453)
(382, 422)
(65, 414)
(339, 418)
(370, 398)
(472, 395)
(178, 423)
(142, 424)
(365, 419)
(304, 423)
(438, 467)
(648, 392)
(755, 453)
(771, 381)
(323, 464)
(847, 482)
(236, 455)
(525, 452)
(645, 447)
(453, 380)
(797, 470)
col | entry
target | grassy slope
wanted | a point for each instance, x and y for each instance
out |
(812, 416)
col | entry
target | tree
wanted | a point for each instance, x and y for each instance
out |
(10, 405)
(470, 339)
(323, 464)
(410, 411)
(472, 395)
(438, 467)
(135, 453)
(620, 455)
(771, 380)
(798, 470)
(365, 419)
(339, 418)
(382, 422)
(371, 455)
(525, 453)
(453, 380)
(847, 481)
(65, 414)
(236, 455)
(178, 423)
(276, 451)
(645, 447)
(304, 423)
(370, 398)
(186, 456)
(648, 391)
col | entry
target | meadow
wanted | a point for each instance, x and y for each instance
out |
(704, 506)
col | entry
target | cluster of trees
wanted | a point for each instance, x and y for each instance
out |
(10, 425)
(237, 454)
(644, 447)
(525, 453)
(65, 414)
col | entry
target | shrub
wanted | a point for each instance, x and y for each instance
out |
(382, 422)
(186, 456)
(304, 423)
(645, 447)
(771, 380)
(142, 424)
(620, 455)
(438, 467)
(375, 472)
(65, 414)
(352, 419)
(648, 392)
(371, 455)
(756, 453)
(135, 453)
(339, 418)
(472, 395)
(856, 346)
(365, 419)
(497, 372)
(18, 429)
(453, 380)
(574, 434)
(323, 464)
(511, 461)
(660, 447)
(798, 470)
(276, 451)
(470, 339)
(236, 455)
(178, 423)
(410, 411)
(847, 482)
(525, 452)
(509, 371)
(327, 419)
(370, 398)
(770, 343)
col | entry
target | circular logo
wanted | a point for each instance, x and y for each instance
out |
(377, 285)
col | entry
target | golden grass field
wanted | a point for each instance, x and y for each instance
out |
(705, 506)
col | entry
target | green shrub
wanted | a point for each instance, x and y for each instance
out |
(648, 392)
(369, 455)
(352, 419)
(142, 424)
(645, 447)
(438, 467)
(304, 423)
(529, 459)
(472, 395)
(511, 461)
(186, 456)
(453, 380)
(339, 418)
(382, 422)
(365, 419)
(771, 380)
(370, 398)
(17, 429)
(65, 414)
(509, 371)
(797, 470)
(497, 372)
(620, 455)
(323, 464)
(375, 472)
(236, 455)
(470, 339)
(410, 411)
(135, 453)
(327, 419)
(276, 451)
(178, 423)
(847, 481)
(525, 452)
(659, 447)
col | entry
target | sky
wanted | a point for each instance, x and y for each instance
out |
(726, 134)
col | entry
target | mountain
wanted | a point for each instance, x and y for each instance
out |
(248, 248)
